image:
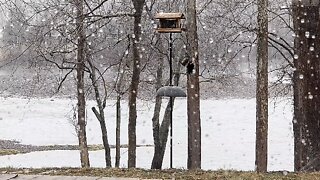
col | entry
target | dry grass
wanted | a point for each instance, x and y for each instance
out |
(165, 174)
(4, 152)
(17, 148)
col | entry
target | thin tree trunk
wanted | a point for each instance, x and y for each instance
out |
(100, 117)
(118, 112)
(163, 133)
(104, 133)
(138, 6)
(118, 123)
(84, 155)
(100, 114)
(193, 105)
(262, 88)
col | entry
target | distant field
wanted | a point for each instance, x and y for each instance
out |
(164, 174)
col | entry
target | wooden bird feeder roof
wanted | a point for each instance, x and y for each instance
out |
(169, 16)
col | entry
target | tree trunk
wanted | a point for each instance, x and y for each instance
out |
(84, 155)
(157, 161)
(300, 152)
(163, 137)
(161, 132)
(100, 117)
(105, 141)
(118, 123)
(306, 121)
(193, 105)
(262, 88)
(100, 114)
(118, 111)
(138, 6)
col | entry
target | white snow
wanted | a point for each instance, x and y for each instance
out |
(228, 133)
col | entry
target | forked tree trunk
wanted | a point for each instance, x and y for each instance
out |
(262, 88)
(161, 132)
(163, 136)
(193, 105)
(84, 155)
(100, 113)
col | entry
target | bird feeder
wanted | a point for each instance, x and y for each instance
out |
(171, 91)
(169, 22)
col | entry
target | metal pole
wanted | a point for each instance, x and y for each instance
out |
(170, 57)
(171, 99)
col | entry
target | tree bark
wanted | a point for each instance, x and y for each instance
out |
(300, 152)
(193, 105)
(306, 123)
(157, 160)
(84, 155)
(104, 132)
(161, 131)
(100, 114)
(138, 6)
(118, 123)
(118, 111)
(262, 88)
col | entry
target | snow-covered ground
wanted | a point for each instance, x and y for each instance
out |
(228, 133)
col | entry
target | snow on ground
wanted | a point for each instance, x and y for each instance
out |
(228, 133)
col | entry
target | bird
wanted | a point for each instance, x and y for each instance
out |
(190, 67)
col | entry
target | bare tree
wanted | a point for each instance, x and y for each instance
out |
(82, 34)
(138, 6)
(306, 82)
(262, 88)
(101, 103)
(193, 105)
(121, 90)
(80, 84)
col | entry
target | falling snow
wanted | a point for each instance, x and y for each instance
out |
(226, 124)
